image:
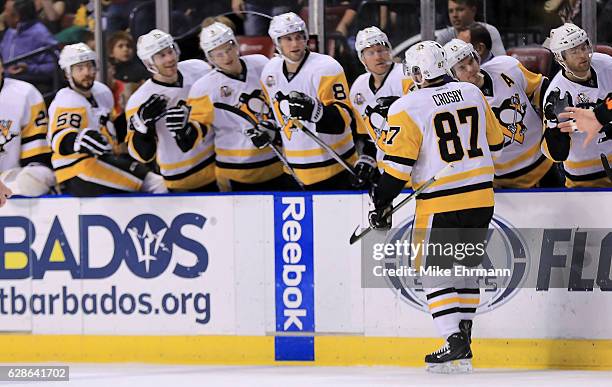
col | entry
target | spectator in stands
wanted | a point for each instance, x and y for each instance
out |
(126, 74)
(26, 34)
(481, 41)
(255, 25)
(118, 14)
(50, 12)
(567, 10)
(89, 38)
(462, 14)
(5, 193)
(121, 51)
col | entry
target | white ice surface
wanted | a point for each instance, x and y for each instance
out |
(119, 375)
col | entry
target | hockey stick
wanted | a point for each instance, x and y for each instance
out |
(606, 165)
(355, 237)
(279, 154)
(326, 147)
(512, 127)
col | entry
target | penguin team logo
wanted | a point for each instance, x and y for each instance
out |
(505, 249)
(254, 105)
(5, 133)
(511, 114)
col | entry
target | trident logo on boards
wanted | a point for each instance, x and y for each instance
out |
(294, 278)
(145, 246)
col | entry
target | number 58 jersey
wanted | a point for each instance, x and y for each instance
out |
(69, 113)
(437, 125)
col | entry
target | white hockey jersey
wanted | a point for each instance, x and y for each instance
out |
(71, 112)
(237, 158)
(509, 87)
(322, 77)
(437, 125)
(364, 96)
(582, 165)
(181, 170)
(23, 125)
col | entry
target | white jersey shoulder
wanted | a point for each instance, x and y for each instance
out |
(21, 89)
(501, 63)
(257, 61)
(193, 69)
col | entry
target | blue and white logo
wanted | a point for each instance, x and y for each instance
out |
(505, 249)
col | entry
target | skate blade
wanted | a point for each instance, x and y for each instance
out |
(463, 366)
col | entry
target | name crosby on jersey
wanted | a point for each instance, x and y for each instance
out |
(447, 97)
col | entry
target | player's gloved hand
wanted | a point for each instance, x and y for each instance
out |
(379, 217)
(91, 141)
(177, 122)
(262, 135)
(556, 105)
(366, 170)
(304, 107)
(149, 113)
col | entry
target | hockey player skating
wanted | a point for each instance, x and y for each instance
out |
(584, 81)
(510, 90)
(158, 117)
(310, 89)
(384, 82)
(441, 123)
(25, 154)
(244, 157)
(81, 134)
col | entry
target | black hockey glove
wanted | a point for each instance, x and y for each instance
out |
(303, 107)
(379, 217)
(262, 135)
(556, 105)
(149, 113)
(177, 122)
(92, 142)
(367, 172)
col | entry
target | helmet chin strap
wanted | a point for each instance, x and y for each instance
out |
(289, 60)
(74, 86)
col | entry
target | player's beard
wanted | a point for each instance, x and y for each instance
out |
(84, 85)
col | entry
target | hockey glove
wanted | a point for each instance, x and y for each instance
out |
(177, 122)
(303, 107)
(149, 113)
(262, 135)
(92, 142)
(379, 217)
(556, 105)
(367, 172)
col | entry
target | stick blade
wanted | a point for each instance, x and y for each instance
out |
(355, 237)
